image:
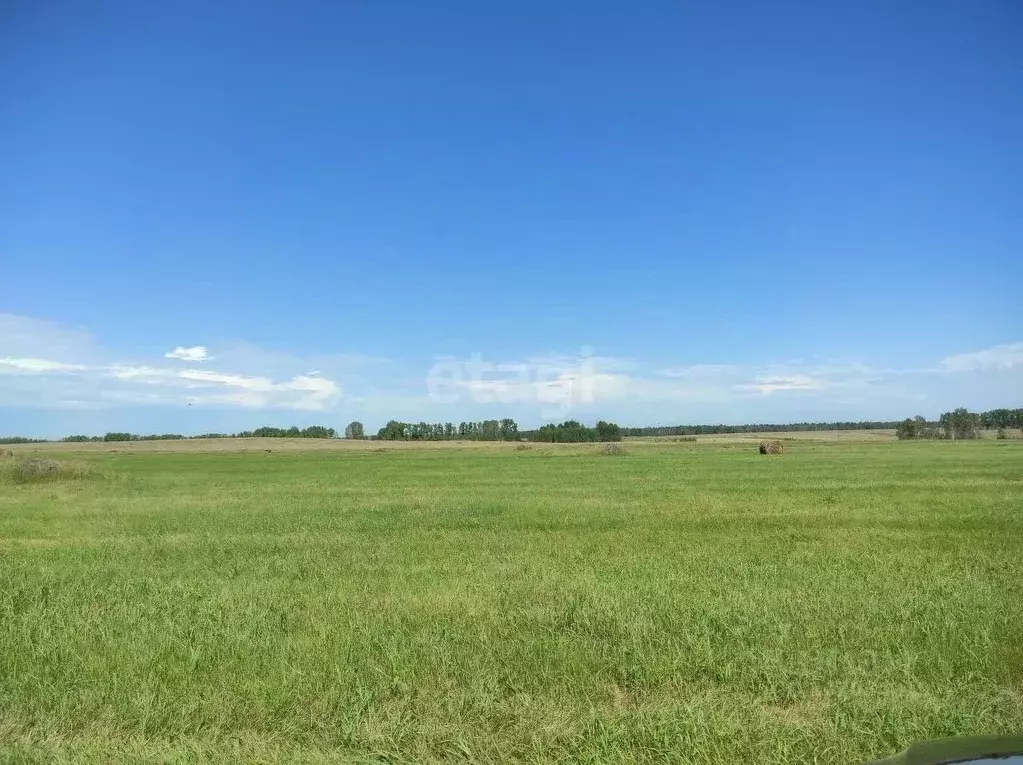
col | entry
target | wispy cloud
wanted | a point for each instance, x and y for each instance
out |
(774, 383)
(1004, 356)
(37, 366)
(566, 382)
(204, 386)
(699, 371)
(194, 353)
(44, 364)
(44, 379)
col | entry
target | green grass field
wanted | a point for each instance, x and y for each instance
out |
(689, 603)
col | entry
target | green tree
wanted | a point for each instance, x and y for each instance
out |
(572, 431)
(355, 431)
(608, 431)
(393, 431)
(1000, 418)
(911, 428)
(120, 437)
(960, 423)
(1016, 419)
(318, 431)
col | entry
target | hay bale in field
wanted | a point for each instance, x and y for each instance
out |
(6, 453)
(612, 449)
(771, 447)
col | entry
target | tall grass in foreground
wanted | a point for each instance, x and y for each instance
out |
(686, 604)
(21, 470)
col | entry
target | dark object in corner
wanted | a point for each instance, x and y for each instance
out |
(968, 750)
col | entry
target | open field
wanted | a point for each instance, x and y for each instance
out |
(243, 445)
(838, 436)
(326, 444)
(689, 602)
(830, 436)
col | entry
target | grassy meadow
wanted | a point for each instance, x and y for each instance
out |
(688, 602)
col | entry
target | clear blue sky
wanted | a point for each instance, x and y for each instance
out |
(781, 190)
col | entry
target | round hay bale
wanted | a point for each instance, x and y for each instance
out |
(612, 449)
(771, 447)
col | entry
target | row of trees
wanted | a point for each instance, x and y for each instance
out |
(956, 424)
(313, 431)
(486, 430)
(496, 430)
(572, 431)
(1002, 418)
(700, 430)
(959, 424)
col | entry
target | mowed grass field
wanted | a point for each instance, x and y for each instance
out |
(681, 603)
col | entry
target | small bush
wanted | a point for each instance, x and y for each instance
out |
(523, 448)
(612, 449)
(40, 470)
(1001, 435)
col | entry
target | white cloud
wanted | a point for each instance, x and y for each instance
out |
(194, 353)
(46, 365)
(1004, 356)
(300, 392)
(579, 381)
(203, 386)
(28, 338)
(218, 378)
(37, 366)
(557, 384)
(132, 372)
(699, 371)
(774, 383)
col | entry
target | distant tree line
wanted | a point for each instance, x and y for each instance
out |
(959, 424)
(702, 430)
(1002, 418)
(497, 430)
(956, 424)
(572, 431)
(485, 430)
(313, 431)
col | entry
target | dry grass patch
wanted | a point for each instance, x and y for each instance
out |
(41, 470)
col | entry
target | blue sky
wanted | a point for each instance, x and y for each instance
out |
(659, 213)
